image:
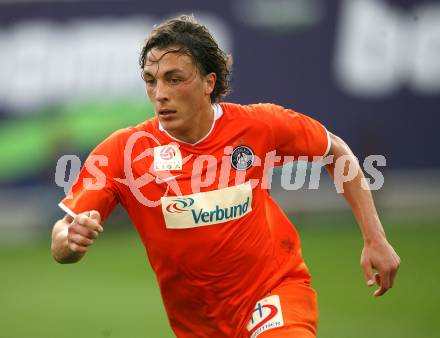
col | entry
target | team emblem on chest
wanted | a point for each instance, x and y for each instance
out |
(167, 158)
(242, 158)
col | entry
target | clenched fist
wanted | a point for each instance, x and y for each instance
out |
(83, 231)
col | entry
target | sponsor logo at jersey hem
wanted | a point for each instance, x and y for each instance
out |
(265, 327)
(242, 158)
(267, 315)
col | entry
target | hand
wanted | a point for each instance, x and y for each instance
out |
(83, 231)
(380, 256)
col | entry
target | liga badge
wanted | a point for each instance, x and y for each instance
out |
(242, 158)
(167, 158)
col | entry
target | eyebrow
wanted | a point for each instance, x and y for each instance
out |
(167, 73)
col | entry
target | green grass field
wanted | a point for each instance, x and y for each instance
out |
(113, 293)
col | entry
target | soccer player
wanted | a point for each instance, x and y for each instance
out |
(193, 180)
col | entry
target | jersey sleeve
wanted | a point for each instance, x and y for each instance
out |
(95, 188)
(295, 134)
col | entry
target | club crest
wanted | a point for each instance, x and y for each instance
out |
(242, 158)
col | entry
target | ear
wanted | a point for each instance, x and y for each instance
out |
(210, 80)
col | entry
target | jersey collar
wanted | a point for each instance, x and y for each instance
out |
(218, 112)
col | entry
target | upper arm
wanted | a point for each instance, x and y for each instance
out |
(296, 134)
(95, 188)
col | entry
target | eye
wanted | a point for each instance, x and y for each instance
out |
(174, 80)
(150, 82)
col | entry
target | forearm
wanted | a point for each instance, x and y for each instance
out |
(359, 199)
(363, 208)
(377, 254)
(60, 246)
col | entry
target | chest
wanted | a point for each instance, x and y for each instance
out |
(173, 169)
(208, 184)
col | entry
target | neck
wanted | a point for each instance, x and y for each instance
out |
(200, 126)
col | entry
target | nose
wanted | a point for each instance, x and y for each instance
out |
(160, 92)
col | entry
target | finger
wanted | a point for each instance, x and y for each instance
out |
(368, 273)
(87, 222)
(80, 240)
(77, 248)
(95, 215)
(377, 279)
(78, 229)
(379, 292)
(90, 223)
(394, 272)
(385, 280)
(382, 289)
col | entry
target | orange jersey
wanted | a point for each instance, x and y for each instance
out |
(214, 237)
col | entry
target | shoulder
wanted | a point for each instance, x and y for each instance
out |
(260, 113)
(119, 138)
(256, 112)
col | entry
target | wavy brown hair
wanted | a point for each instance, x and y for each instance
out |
(193, 39)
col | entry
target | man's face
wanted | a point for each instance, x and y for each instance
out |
(178, 91)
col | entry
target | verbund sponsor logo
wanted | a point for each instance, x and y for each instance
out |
(180, 205)
(220, 214)
(207, 208)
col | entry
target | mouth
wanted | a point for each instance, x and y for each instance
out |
(166, 113)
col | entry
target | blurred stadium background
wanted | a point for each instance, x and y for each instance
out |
(368, 69)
